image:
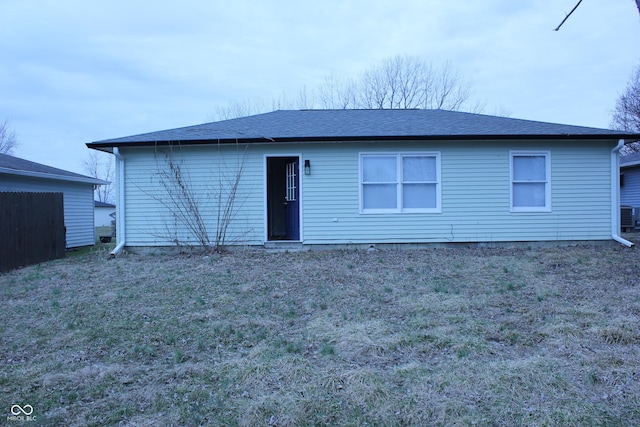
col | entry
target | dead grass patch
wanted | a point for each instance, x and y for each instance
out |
(392, 338)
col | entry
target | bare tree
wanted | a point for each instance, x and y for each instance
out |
(626, 115)
(192, 205)
(101, 166)
(450, 91)
(8, 140)
(396, 83)
(240, 109)
(336, 93)
(400, 82)
(303, 100)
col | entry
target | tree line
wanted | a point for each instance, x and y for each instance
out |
(396, 83)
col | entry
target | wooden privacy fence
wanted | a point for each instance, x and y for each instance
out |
(31, 228)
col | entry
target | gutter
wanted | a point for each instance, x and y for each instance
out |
(120, 230)
(615, 196)
(260, 139)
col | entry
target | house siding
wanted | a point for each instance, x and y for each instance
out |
(152, 218)
(475, 187)
(475, 197)
(630, 191)
(78, 204)
(102, 216)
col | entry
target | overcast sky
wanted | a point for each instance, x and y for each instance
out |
(77, 71)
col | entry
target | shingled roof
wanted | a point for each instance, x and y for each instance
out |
(16, 166)
(345, 125)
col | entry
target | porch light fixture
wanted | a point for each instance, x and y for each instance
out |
(307, 167)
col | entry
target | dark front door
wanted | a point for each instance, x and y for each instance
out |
(292, 204)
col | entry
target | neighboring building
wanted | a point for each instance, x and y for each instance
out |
(19, 175)
(341, 177)
(104, 213)
(630, 189)
(630, 180)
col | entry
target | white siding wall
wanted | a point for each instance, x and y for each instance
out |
(102, 216)
(475, 194)
(78, 204)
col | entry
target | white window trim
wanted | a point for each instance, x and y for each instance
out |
(547, 206)
(399, 208)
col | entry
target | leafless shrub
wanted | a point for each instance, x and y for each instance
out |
(190, 204)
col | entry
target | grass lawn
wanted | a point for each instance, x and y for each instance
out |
(442, 337)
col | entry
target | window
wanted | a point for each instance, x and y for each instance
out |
(530, 181)
(403, 182)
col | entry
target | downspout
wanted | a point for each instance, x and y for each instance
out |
(120, 229)
(615, 195)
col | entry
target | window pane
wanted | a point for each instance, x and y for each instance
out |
(529, 168)
(379, 169)
(416, 168)
(379, 196)
(529, 195)
(419, 196)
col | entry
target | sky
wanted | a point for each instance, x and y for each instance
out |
(77, 71)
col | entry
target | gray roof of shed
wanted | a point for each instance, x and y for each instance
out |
(345, 125)
(17, 166)
(99, 204)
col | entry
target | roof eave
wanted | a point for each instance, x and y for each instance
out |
(630, 164)
(105, 145)
(93, 181)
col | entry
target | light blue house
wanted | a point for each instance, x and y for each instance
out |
(367, 177)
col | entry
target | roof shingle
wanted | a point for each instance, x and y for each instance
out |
(18, 166)
(289, 125)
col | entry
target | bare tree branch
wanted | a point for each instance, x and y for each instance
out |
(396, 83)
(192, 204)
(567, 17)
(626, 114)
(101, 166)
(336, 93)
(8, 140)
(410, 82)
(181, 199)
